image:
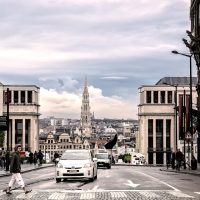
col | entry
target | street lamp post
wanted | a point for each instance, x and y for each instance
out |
(190, 85)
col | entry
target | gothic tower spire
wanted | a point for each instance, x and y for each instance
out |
(85, 111)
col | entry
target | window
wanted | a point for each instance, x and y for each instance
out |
(168, 131)
(16, 97)
(148, 97)
(29, 96)
(159, 134)
(150, 133)
(169, 97)
(162, 96)
(22, 96)
(155, 96)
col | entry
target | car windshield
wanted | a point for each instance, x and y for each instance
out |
(78, 155)
(102, 156)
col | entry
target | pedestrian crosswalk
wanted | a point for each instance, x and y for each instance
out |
(100, 195)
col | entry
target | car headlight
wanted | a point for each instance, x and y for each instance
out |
(87, 165)
(59, 165)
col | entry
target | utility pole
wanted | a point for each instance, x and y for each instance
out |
(8, 149)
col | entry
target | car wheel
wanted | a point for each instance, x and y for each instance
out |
(58, 180)
(109, 166)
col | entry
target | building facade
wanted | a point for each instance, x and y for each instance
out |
(60, 142)
(23, 115)
(158, 124)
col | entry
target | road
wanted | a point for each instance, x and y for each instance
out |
(119, 182)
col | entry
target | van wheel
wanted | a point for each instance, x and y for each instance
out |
(58, 180)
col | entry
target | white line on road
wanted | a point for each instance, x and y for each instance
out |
(25, 196)
(149, 194)
(180, 194)
(118, 195)
(95, 187)
(57, 196)
(175, 189)
(131, 184)
(87, 195)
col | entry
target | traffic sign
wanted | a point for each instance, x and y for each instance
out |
(3, 123)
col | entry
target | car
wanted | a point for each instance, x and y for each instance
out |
(103, 160)
(76, 164)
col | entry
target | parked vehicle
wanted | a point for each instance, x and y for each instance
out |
(103, 160)
(76, 164)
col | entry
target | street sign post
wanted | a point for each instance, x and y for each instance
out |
(3, 123)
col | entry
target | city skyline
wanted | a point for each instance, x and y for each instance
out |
(119, 45)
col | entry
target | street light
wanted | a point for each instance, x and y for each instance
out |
(190, 121)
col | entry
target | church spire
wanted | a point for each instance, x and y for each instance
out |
(85, 110)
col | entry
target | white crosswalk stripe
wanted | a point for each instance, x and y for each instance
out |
(88, 195)
(24, 196)
(57, 195)
(180, 194)
(149, 194)
(118, 195)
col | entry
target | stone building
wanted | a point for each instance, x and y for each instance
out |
(23, 115)
(59, 142)
(157, 119)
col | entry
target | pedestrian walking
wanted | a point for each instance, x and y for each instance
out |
(35, 156)
(56, 157)
(179, 158)
(173, 159)
(15, 170)
(40, 157)
(30, 157)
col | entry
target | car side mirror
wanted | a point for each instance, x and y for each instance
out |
(95, 159)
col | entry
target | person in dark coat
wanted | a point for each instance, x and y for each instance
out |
(40, 157)
(179, 158)
(55, 157)
(15, 170)
(30, 157)
(35, 157)
(173, 159)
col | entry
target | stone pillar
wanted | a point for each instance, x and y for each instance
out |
(19, 97)
(12, 97)
(26, 96)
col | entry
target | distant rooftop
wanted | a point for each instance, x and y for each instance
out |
(177, 81)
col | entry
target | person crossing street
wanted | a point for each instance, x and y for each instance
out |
(15, 170)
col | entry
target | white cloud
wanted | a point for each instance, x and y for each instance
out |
(68, 105)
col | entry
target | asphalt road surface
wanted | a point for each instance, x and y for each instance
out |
(119, 182)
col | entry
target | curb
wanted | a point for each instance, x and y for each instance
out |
(196, 173)
(28, 170)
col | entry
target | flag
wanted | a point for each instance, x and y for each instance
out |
(111, 143)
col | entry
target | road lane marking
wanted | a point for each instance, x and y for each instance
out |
(57, 196)
(118, 195)
(88, 195)
(25, 196)
(149, 194)
(180, 194)
(197, 192)
(95, 187)
(131, 184)
(156, 179)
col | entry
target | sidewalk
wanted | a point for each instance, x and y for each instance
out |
(26, 168)
(185, 171)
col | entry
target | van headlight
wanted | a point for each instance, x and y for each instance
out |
(87, 165)
(59, 165)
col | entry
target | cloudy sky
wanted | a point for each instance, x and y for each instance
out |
(119, 44)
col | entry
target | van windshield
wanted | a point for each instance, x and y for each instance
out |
(102, 156)
(75, 156)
